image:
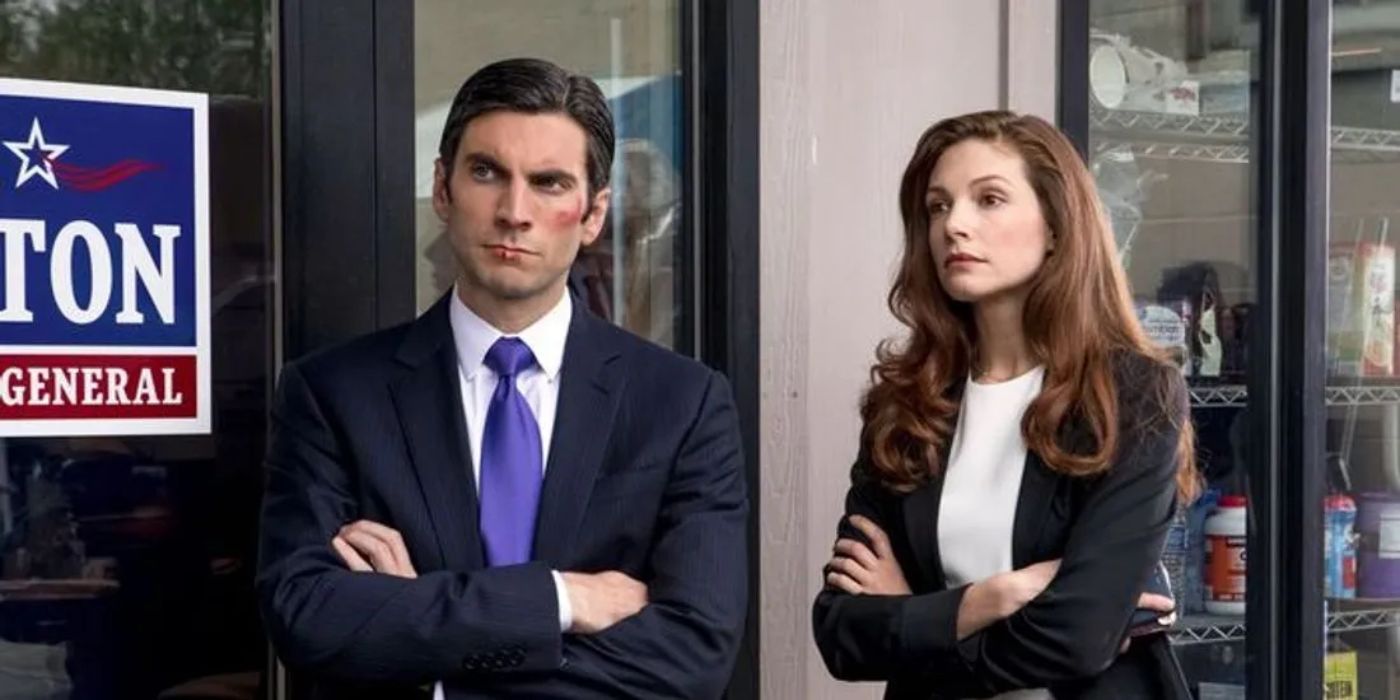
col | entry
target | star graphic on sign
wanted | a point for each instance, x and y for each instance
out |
(36, 156)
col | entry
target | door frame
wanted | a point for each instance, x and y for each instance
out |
(348, 255)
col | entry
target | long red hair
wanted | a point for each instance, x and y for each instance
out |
(1078, 318)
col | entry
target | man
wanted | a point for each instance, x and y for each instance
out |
(508, 496)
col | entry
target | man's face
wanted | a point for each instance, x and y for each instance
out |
(517, 209)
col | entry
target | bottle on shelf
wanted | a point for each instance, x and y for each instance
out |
(1226, 530)
(1339, 674)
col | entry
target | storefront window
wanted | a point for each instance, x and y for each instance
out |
(1361, 508)
(635, 273)
(1173, 148)
(126, 563)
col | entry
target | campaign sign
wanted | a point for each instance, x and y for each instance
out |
(104, 241)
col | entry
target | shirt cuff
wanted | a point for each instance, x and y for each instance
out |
(566, 611)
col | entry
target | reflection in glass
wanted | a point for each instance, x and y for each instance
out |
(630, 275)
(126, 563)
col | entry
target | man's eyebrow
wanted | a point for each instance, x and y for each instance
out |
(478, 158)
(558, 174)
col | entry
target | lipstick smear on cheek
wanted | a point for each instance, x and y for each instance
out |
(567, 216)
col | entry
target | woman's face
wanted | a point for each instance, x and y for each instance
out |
(986, 230)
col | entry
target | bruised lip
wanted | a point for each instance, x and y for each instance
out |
(505, 251)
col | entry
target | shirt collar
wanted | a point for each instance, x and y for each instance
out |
(545, 337)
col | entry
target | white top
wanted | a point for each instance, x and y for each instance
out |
(982, 483)
(539, 386)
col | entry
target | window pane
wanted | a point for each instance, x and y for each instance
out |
(635, 272)
(127, 562)
(1361, 581)
(1172, 88)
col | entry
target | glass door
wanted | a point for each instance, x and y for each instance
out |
(126, 562)
(1361, 506)
(1171, 142)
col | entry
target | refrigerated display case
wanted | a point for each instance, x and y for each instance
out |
(1248, 155)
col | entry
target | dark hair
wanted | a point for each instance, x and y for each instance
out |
(534, 86)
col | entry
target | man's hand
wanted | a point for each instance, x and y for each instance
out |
(858, 569)
(602, 600)
(368, 546)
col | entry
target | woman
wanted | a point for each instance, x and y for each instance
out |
(1023, 449)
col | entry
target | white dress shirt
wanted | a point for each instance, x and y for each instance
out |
(977, 511)
(539, 385)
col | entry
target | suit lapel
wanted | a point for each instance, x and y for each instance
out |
(428, 400)
(921, 509)
(1032, 504)
(921, 522)
(589, 392)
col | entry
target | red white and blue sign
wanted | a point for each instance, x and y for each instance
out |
(104, 238)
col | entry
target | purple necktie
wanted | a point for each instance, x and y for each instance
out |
(511, 472)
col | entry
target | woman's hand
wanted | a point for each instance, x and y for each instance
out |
(858, 569)
(1001, 596)
(1155, 603)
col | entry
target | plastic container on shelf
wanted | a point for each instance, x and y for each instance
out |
(1225, 557)
(1194, 596)
(1378, 561)
(1339, 672)
(1339, 553)
(1174, 555)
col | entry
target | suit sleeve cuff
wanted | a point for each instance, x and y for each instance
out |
(929, 625)
(566, 611)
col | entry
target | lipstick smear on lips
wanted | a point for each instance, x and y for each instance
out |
(507, 254)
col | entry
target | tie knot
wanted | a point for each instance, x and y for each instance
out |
(509, 356)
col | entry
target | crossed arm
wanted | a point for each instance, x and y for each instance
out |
(341, 597)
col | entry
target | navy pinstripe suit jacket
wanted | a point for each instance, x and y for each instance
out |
(644, 476)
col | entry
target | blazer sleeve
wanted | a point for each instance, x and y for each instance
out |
(872, 637)
(324, 618)
(1073, 630)
(683, 644)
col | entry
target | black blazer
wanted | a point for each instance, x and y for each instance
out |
(1109, 530)
(644, 476)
